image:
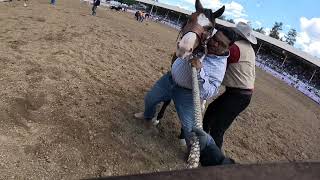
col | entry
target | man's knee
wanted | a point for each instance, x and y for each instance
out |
(148, 98)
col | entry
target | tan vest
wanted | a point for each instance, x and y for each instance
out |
(242, 74)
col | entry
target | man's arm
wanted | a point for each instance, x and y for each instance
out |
(211, 76)
(234, 54)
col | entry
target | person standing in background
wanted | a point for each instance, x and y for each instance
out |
(53, 2)
(96, 3)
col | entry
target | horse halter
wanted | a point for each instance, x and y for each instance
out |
(203, 34)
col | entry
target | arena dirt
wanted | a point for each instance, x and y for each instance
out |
(70, 84)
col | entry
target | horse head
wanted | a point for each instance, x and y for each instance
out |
(197, 29)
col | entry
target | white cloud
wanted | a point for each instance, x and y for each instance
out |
(287, 26)
(312, 27)
(182, 6)
(314, 48)
(309, 37)
(281, 35)
(267, 30)
(303, 38)
(233, 9)
(258, 23)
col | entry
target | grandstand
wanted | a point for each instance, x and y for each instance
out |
(296, 65)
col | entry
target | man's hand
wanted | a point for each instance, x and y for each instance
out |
(195, 62)
(203, 137)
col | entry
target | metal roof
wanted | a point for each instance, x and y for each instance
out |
(306, 56)
(165, 6)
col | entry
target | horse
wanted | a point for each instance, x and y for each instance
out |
(195, 34)
(197, 29)
(140, 16)
(116, 8)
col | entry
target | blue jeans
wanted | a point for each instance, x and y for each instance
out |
(166, 89)
(53, 2)
(94, 10)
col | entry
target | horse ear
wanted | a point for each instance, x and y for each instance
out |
(218, 13)
(199, 7)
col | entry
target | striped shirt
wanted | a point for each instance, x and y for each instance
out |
(210, 75)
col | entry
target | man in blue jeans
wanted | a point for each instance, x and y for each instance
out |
(96, 3)
(177, 84)
(53, 2)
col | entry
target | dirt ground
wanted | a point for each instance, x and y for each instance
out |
(70, 84)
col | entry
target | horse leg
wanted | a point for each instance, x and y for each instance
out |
(162, 110)
(182, 138)
(93, 10)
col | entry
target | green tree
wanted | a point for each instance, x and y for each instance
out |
(260, 30)
(275, 30)
(291, 37)
(128, 2)
(231, 21)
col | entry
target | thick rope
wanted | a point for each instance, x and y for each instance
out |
(194, 156)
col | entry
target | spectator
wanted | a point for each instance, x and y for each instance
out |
(53, 2)
(96, 3)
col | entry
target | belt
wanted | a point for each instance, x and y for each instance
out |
(239, 90)
(175, 83)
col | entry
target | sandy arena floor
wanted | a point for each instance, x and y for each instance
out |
(70, 83)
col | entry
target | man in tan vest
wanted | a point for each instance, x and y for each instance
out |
(239, 81)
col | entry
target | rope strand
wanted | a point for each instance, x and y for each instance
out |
(194, 156)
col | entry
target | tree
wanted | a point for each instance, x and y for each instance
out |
(275, 30)
(260, 30)
(291, 37)
(230, 21)
(128, 2)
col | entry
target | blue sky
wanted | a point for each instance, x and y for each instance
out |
(302, 15)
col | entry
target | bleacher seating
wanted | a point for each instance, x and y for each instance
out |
(292, 72)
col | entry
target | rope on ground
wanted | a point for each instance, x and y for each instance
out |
(194, 156)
